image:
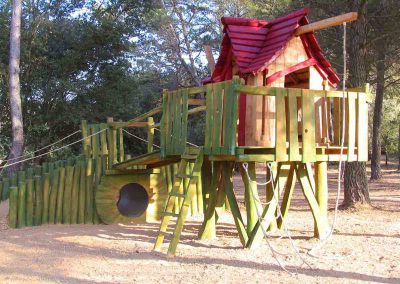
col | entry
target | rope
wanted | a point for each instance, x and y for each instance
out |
(141, 139)
(319, 245)
(45, 147)
(52, 151)
(260, 220)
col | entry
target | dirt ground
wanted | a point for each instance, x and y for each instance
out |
(364, 248)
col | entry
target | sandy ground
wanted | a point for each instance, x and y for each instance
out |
(364, 248)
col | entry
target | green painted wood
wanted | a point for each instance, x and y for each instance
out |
(85, 133)
(209, 120)
(103, 139)
(21, 176)
(60, 196)
(14, 180)
(37, 219)
(308, 119)
(13, 207)
(53, 195)
(89, 192)
(82, 193)
(320, 220)
(280, 125)
(351, 127)
(6, 186)
(362, 127)
(29, 202)
(294, 151)
(97, 177)
(121, 149)
(21, 204)
(29, 173)
(199, 192)
(95, 139)
(184, 126)
(231, 114)
(287, 196)
(250, 195)
(46, 198)
(171, 114)
(336, 121)
(69, 175)
(177, 128)
(164, 125)
(150, 135)
(227, 174)
(218, 98)
(75, 195)
(110, 139)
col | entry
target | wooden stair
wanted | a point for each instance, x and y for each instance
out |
(180, 217)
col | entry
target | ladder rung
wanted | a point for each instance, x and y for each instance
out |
(177, 194)
(189, 157)
(185, 176)
(170, 214)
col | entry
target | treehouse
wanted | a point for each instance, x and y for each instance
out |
(271, 53)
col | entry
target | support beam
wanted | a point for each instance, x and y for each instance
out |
(323, 24)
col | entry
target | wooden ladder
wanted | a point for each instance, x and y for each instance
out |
(187, 195)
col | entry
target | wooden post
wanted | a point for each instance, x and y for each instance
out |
(82, 192)
(75, 194)
(29, 202)
(53, 196)
(89, 192)
(321, 193)
(13, 209)
(250, 194)
(86, 142)
(37, 220)
(60, 196)
(150, 134)
(46, 198)
(21, 204)
(6, 185)
(67, 195)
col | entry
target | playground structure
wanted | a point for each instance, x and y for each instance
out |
(290, 119)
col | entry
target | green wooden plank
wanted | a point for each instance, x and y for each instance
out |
(308, 115)
(37, 219)
(121, 152)
(163, 123)
(280, 120)
(294, 151)
(97, 163)
(60, 196)
(177, 130)
(13, 207)
(89, 192)
(69, 174)
(86, 142)
(21, 204)
(209, 120)
(351, 128)
(184, 125)
(75, 195)
(150, 134)
(103, 139)
(218, 118)
(82, 193)
(29, 202)
(46, 198)
(53, 196)
(362, 128)
(230, 117)
(95, 140)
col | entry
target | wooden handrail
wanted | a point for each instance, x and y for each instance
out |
(147, 114)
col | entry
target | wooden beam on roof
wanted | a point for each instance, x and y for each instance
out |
(330, 22)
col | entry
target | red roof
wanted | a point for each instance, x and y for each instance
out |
(257, 43)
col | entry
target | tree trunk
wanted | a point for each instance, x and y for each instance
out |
(14, 87)
(355, 174)
(376, 125)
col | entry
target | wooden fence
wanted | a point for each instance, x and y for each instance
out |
(55, 193)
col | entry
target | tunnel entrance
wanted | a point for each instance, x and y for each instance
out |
(133, 200)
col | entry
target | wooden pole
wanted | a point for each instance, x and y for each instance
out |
(29, 202)
(321, 193)
(60, 196)
(53, 195)
(21, 204)
(75, 194)
(150, 134)
(37, 219)
(326, 23)
(13, 211)
(46, 198)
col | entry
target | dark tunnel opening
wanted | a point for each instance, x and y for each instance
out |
(133, 200)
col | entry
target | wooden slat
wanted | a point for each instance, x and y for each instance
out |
(362, 129)
(308, 112)
(122, 124)
(229, 119)
(280, 115)
(217, 121)
(336, 121)
(170, 115)
(163, 125)
(209, 120)
(351, 110)
(103, 139)
(294, 152)
(184, 125)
